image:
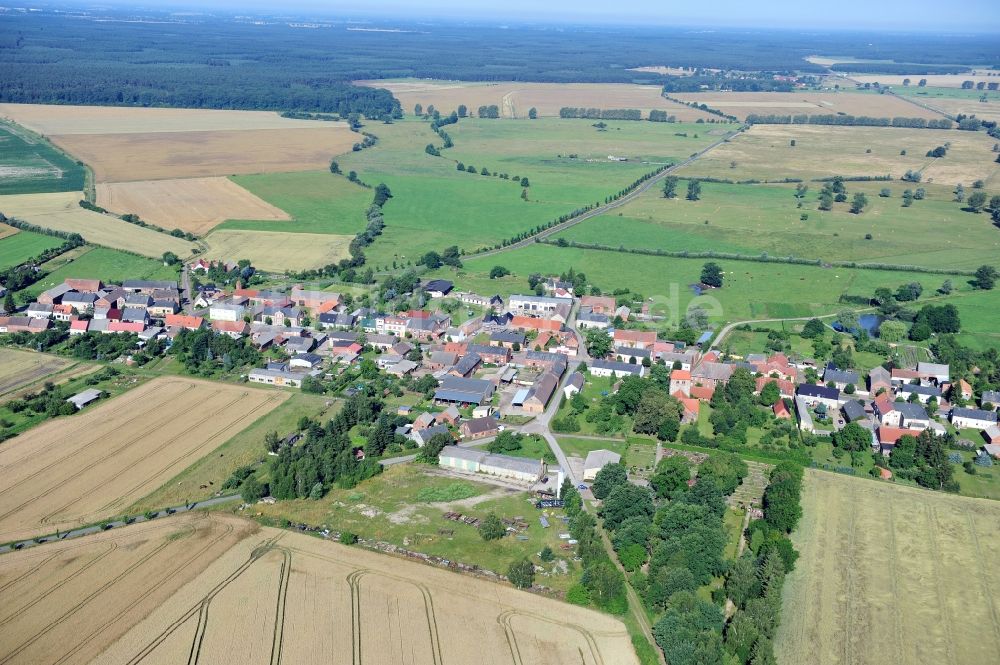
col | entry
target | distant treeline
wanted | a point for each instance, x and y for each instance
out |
(847, 120)
(206, 61)
(600, 114)
(741, 84)
(896, 68)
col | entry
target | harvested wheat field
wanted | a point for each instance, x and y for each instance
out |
(283, 597)
(58, 119)
(891, 574)
(190, 154)
(273, 250)
(192, 204)
(988, 110)
(741, 104)
(21, 368)
(87, 467)
(765, 152)
(67, 601)
(516, 99)
(7, 231)
(61, 211)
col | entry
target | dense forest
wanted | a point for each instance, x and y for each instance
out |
(103, 57)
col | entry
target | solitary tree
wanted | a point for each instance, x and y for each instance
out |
(8, 303)
(492, 528)
(334, 166)
(598, 343)
(521, 574)
(532, 113)
(670, 187)
(418, 109)
(976, 202)
(711, 274)
(985, 278)
(858, 203)
(694, 190)
(463, 110)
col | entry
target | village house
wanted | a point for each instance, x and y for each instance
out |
(280, 316)
(338, 320)
(677, 359)
(234, 329)
(540, 393)
(317, 302)
(80, 302)
(814, 394)
(277, 377)
(423, 436)
(599, 304)
(879, 379)
(628, 354)
(226, 311)
(937, 372)
(785, 388)
(466, 365)
(889, 436)
(635, 339)
(147, 286)
(536, 305)
(611, 367)
(38, 310)
(491, 302)
(680, 382)
(534, 323)
(479, 428)
(901, 414)
(589, 319)
(178, 321)
(712, 374)
(841, 378)
(14, 324)
(990, 400)
(507, 339)
(922, 393)
(597, 460)
(574, 384)
(441, 360)
(780, 410)
(980, 419)
(438, 288)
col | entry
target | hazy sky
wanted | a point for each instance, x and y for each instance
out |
(957, 15)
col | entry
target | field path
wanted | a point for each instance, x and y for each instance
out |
(608, 207)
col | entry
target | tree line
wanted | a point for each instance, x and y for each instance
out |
(847, 120)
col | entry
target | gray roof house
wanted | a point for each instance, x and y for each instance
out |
(854, 411)
(458, 390)
(842, 377)
(84, 398)
(422, 436)
(991, 397)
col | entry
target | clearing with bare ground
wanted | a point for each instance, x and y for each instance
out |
(22, 368)
(891, 574)
(217, 589)
(741, 104)
(164, 155)
(273, 250)
(50, 119)
(192, 204)
(516, 99)
(61, 211)
(90, 466)
(765, 152)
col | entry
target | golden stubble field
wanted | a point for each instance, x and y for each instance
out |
(61, 211)
(217, 589)
(891, 575)
(90, 466)
(48, 119)
(765, 152)
(21, 368)
(515, 99)
(164, 155)
(277, 251)
(741, 104)
(192, 204)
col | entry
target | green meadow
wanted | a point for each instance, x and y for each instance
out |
(108, 265)
(752, 290)
(22, 246)
(317, 202)
(757, 219)
(30, 165)
(566, 162)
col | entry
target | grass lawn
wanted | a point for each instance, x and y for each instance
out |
(31, 165)
(108, 265)
(387, 508)
(752, 290)
(985, 483)
(434, 205)
(204, 478)
(21, 246)
(757, 219)
(980, 314)
(318, 202)
(576, 447)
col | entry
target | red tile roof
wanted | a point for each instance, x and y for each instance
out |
(184, 321)
(702, 392)
(890, 435)
(680, 375)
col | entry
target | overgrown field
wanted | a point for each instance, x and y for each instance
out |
(262, 596)
(891, 575)
(752, 289)
(29, 164)
(742, 104)
(405, 506)
(21, 368)
(754, 219)
(61, 211)
(516, 99)
(565, 161)
(19, 246)
(108, 265)
(272, 250)
(190, 204)
(91, 466)
(765, 152)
